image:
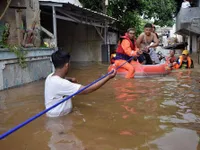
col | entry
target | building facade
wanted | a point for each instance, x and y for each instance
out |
(188, 25)
(80, 31)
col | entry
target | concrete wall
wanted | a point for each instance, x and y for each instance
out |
(27, 18)
(32, 12)
(33, 15)
(11, 73)
(194, 43)
(9, 18)
(188, 20)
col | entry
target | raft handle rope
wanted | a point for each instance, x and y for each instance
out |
(2, 136)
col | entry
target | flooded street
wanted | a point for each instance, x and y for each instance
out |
(160, 113)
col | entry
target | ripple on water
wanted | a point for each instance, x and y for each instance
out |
(180, 117)
(172, 119)
(186, 85)
(189, 117)
(167, 79)
(191, 95)
(170, 103)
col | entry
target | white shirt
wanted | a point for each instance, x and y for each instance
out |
(185, 4)
(56, 89)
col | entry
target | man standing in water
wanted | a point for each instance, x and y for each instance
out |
(57, 87)
(184, 61)
(147, 41)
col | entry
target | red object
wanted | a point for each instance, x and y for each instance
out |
(144, 70)
(120, 49)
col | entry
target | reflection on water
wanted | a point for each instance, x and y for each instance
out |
(139, 114)
(62, 138)
(179, 135)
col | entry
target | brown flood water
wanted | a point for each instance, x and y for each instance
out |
(160, 113)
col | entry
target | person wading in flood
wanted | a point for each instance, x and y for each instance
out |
(57, 87)
(184, 61)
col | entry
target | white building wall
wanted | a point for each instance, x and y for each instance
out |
(172, 34)
(172, 31)
(194, 43)
(188, 41)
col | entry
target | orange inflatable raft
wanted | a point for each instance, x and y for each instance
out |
(145, 70)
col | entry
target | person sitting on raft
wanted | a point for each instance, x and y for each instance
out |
(154, 30)
(147, 41)
(184, 61)
(57, 87)
(171, 59)
(125, 50)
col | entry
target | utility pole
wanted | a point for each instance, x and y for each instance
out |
(105, 6)
(54, 27)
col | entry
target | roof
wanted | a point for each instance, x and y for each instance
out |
(95, 12)
(74, 2)
(74, 7)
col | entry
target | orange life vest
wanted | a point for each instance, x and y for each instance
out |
(120, 49)
(189, 62)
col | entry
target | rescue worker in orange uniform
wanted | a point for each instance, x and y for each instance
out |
(184, 61)
(125, 50)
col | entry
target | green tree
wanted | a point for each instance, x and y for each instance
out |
(96, 5)
(128, 13)
(131, 13)
(162, 11)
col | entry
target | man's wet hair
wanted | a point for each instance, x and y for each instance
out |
(60, 58)
(148, 25)
(130, 29)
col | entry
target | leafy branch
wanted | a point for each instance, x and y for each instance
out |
(20, 53)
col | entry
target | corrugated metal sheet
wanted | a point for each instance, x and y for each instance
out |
(78, 7)
(74, 2)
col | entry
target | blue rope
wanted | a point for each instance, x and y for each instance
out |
(2, 136)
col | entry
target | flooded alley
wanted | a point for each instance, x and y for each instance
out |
(136, 114)
(144, 106)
